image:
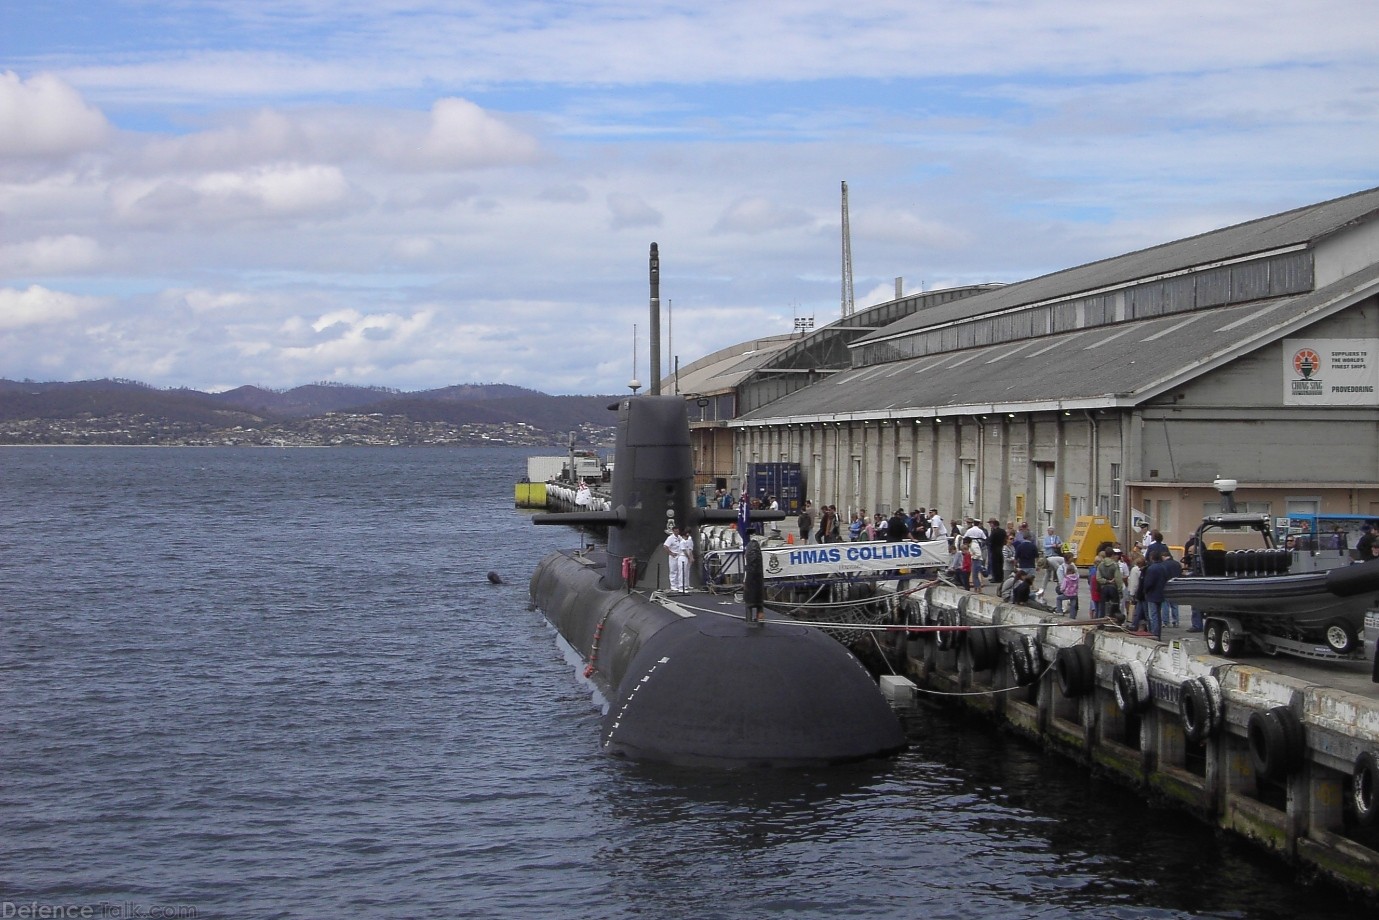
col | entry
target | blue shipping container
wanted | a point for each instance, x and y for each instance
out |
(783, 480)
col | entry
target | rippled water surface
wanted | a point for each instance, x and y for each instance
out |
(277, 683)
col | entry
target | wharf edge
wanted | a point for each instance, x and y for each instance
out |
(1255, 752)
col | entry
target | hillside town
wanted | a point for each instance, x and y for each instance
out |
(335, 429)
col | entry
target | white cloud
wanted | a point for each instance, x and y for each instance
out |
(413, 249)
(42, 307)
(631, 211)
(51, 255)
(758, 214)
(285, 189)
(354, 339)
(464, 136)
(906, 229)
(43, 116)
(200, 301)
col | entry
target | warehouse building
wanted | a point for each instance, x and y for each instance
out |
(1120, 388)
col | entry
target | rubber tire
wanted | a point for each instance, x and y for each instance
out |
(1277, 745)
(1211, 631)
(1198, 710)
(946, 640)
(1132, 686)
(1364, 789)
(1340, 637)
(1230, 642)
(1026, 661)
(983, 649)
(1075, 669)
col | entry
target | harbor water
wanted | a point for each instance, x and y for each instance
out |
(258, 683)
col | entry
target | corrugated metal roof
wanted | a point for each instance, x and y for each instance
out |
(727, 367)
(1118, 365)
(1298, 227)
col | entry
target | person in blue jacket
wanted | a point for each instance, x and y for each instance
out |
(1153, 581)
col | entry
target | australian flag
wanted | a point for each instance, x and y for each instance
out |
(744, 523)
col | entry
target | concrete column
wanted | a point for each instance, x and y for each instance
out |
(1325, 794)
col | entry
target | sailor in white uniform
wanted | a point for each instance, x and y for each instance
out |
(680, 549)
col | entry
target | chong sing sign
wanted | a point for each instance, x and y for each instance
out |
(1331, 372)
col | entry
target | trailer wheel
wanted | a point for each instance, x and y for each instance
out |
(1212, 633)
(1230, 642)
(1364, 788)
(1340, 637)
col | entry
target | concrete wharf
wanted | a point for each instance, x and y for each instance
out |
(1269, 750)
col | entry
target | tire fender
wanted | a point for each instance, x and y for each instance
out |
(1075, 669)
(983, 648)
(950, 640)
(1277, 743)
(1026, 661)
(924, 615)
(1131, 682)
(1364, 788)
(1199, 705)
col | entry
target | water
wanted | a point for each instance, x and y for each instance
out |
(277, 683)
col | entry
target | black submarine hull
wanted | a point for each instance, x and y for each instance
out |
(688, 679)
(694, 687)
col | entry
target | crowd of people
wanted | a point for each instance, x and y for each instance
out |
(1125, 586)
(1025, 568)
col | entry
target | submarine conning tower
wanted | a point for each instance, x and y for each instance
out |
(653, 485)
(653, 479)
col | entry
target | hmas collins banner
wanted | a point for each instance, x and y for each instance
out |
(1331, 372)
(838, 558)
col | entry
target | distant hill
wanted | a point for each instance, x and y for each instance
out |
(304, 401)
(89, 399)
(320, 398)
(491, 407)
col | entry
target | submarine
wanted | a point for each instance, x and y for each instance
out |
(694, 678)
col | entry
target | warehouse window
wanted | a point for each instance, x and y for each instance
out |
(1048, 494)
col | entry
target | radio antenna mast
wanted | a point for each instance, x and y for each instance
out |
(849, 304)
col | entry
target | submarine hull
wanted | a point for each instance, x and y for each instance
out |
(691, 683)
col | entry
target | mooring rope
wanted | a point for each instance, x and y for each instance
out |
(992, 691)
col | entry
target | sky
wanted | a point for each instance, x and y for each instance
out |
(422, 193)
